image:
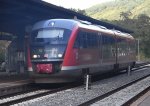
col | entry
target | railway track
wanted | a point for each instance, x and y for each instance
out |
(110, 93)
(18, 98)
(133, 99)
(26, 96)
(111, 74)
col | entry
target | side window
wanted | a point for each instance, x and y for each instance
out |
(122, 47)
(92, 40)
(86, 40)
(132, 46)
(77, 42)
(81, 40)
(108, 39)
(95, 40)
(104, 39)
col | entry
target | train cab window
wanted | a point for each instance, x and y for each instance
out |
(51, 36)
(50, 33)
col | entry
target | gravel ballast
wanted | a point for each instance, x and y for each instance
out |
(4, 100)
(119, 98)
(79, 95)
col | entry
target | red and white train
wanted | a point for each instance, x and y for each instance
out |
(62, 49)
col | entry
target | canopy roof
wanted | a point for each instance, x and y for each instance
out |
(15, 15)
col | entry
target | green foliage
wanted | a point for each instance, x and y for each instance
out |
(112, 10)
(79, 11)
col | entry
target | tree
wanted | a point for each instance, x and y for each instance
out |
(79, 11)
(3, 47)
(125, 15)
(143, 26)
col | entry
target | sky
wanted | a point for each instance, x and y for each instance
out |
(77, 4)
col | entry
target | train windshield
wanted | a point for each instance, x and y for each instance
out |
(49, 43)
(51, 36)
(55, 33)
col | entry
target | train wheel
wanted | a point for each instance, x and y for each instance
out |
(133, 65)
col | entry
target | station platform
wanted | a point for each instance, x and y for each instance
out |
(13, 78)
(143, 100)
(10, 84)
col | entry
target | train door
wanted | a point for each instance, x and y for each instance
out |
(116, 65)
(131, 50)
(108, 51)
(100, 47)
(123, 48)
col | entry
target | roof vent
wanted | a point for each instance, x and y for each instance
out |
(102, 27)
(82, 21)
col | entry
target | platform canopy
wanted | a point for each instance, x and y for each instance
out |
(15, 15)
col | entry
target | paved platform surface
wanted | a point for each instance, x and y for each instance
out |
(13, 80)
(10, 84)
(143, 100)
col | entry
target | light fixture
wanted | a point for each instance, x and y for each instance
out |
(35, 56)
(59, 55)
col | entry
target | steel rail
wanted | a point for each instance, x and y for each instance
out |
(136, 97)
(114, 91)
(51, 91)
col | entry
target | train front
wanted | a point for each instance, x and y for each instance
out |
(48, 44)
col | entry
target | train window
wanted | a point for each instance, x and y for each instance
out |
(92, 40)
(77, 42)
(50, 36)
(104, 39)
(86, 40)
(123, 48)
(50, 33)
(108, 46)
(132, 47)
(107, 39)
(81, 40)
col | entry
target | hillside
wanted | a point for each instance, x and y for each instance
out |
(112, 10)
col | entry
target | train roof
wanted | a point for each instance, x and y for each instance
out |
(65, 23)
(70, 23)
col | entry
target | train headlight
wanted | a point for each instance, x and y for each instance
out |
(35, 56)
(59, 55)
